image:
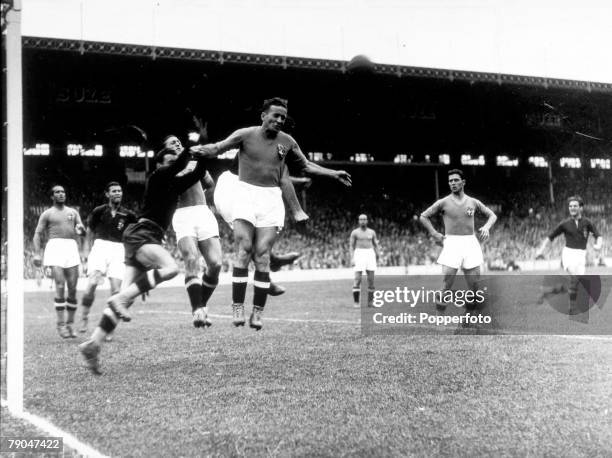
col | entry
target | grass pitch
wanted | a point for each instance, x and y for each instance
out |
(310, 384)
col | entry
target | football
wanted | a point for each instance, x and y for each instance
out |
(360, 64)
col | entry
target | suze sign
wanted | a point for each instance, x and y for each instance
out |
(84, 94)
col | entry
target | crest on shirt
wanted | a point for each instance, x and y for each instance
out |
(469, 211)
(281, 150)
(120, 224)
(70, 216)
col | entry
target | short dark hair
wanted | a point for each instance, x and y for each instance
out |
(456, 172)
(54, 185)
(159, 157)
(276, 101)
(110, 185)
(577, 199)
(166, 138)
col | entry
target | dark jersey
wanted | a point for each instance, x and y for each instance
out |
(166, 184)
(576, 232)
(105, 226)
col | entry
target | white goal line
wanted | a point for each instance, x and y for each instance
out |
(49, 428)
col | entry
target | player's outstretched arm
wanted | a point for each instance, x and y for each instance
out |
(301, 181)
(297, 157)
(214, 149)
(542, 249)
(557, 231)
(341, 175)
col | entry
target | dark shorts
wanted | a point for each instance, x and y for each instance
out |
(138, 234)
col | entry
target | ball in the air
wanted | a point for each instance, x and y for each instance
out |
(360, 64)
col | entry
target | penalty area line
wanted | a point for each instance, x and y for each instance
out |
(48, 427)
(215, 315)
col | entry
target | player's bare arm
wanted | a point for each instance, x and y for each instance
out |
(78, 226)
(214, 149)
(311, 168)
(375, 243)
(341, 175)
(302, 181)
(80, 230)
(352, 244)
(544, 245)
(37, 240)
(426, 221)
(491, 218)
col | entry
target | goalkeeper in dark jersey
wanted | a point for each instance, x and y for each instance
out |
(147, 262)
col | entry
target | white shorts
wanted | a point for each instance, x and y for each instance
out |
(225, 190)
(108, 258)
(196, 221)
(61, 253)
(461, 251)
(573, 260)
(261, 206)
(365, 259)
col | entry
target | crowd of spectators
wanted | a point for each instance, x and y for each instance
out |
(525, 218)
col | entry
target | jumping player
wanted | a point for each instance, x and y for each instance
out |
(460, 246)
(258, 209)
(576, 230)
(103, 248)
(147, 262)
(197, 233)
(61, 224)
(364, 246)
(225, 192)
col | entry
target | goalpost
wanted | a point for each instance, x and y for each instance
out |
(14, 160)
